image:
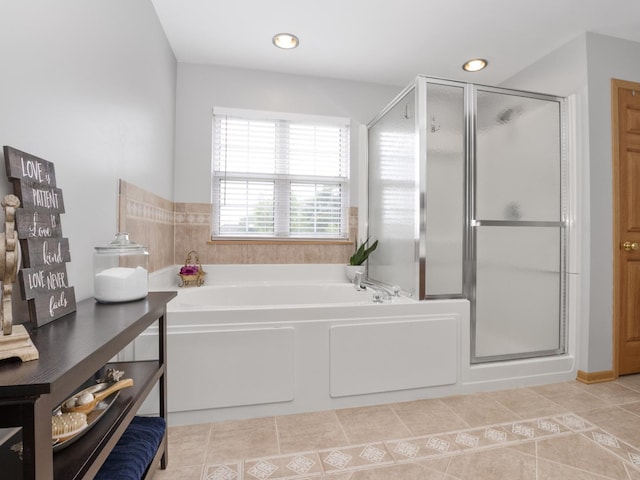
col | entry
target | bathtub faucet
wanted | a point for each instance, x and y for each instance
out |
(380, 292)
(358, 281)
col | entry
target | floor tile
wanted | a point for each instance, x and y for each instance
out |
(575, 423)
(527, 448)
(408, 471)
(570, 395)
(633, 472)
(479, 409)
(238, 439)
(424, 417)
(629, 381)
(358, 457)
(223, 472)
(501, 463)
(438, 464)
(284, 467)
(617, 447)
(309, 431)
(188, 445)
(421, 448)
(371, 424)
(612, 392)
(193, 472)
(565, 431)
(340, 476)
(190, 433)
(536, 429)
(632, 407)
(577, 451)
(556, 471)
(617, 421)
(527, 403)
(485, 437)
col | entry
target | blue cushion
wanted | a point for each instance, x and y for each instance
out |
(135, 450)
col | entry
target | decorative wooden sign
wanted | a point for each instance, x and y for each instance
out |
(37, 223)
(23, 166)
(39, 195)
(48, 291)
(43, 278)
(46, 251)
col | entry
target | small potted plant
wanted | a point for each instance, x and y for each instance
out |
(360, 255)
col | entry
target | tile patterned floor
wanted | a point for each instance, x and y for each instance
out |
(565, 431)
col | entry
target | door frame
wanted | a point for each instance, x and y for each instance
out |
(617, 240)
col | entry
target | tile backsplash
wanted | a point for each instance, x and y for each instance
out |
(193, 232)
(149, 220)
(171, 230)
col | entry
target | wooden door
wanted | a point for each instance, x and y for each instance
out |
(626, 190)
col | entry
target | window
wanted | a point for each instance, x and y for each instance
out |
(279, 176)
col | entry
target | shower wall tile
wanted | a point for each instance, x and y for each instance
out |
(149, 220)
(275, 253)
(228, 254)
(327, 254)
(353, 223)
(193, 232)
(187, 239)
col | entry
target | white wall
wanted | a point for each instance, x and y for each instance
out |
(202, 87)
(89, 86)
(607, 58)
(584, 68)
(562, 72)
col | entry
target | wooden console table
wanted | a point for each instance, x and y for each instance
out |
(73, 349)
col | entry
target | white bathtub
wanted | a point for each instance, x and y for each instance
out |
(284, 295)
(296, 339)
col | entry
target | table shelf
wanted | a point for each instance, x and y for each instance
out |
(72, 350)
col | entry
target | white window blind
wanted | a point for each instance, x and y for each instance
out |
(279, 176)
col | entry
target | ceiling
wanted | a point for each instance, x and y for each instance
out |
(387, 41)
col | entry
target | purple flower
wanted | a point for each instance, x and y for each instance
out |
(189, 270)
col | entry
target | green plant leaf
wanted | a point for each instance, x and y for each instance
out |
(362, 252)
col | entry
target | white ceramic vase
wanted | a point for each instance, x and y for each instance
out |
(350, 271)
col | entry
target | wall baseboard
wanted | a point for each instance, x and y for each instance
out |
(595, 377)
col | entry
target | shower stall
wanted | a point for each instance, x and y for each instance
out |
(467, 188)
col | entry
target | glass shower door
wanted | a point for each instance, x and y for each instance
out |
(444, 192)
(517, 227)
(393, 188)
(417, 174)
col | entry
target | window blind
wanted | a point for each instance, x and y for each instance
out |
(279, 177)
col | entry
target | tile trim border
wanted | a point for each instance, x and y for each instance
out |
(151, 213)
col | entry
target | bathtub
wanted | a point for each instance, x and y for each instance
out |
(273, 340)
(276, 294)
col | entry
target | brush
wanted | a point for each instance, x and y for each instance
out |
(67, 424)
(87, 402)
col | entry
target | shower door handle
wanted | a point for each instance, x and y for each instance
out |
(630, 246)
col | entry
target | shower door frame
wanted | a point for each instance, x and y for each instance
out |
(470, 264)
(469, 224)
(422, 101)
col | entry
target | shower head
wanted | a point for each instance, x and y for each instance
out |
(508, 114)
(505, 116)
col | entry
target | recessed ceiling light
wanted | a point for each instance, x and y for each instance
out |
(475, 65)
(285, 40)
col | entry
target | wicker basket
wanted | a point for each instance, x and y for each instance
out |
(192, 264)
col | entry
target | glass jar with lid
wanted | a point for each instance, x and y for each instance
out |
(120, 271)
